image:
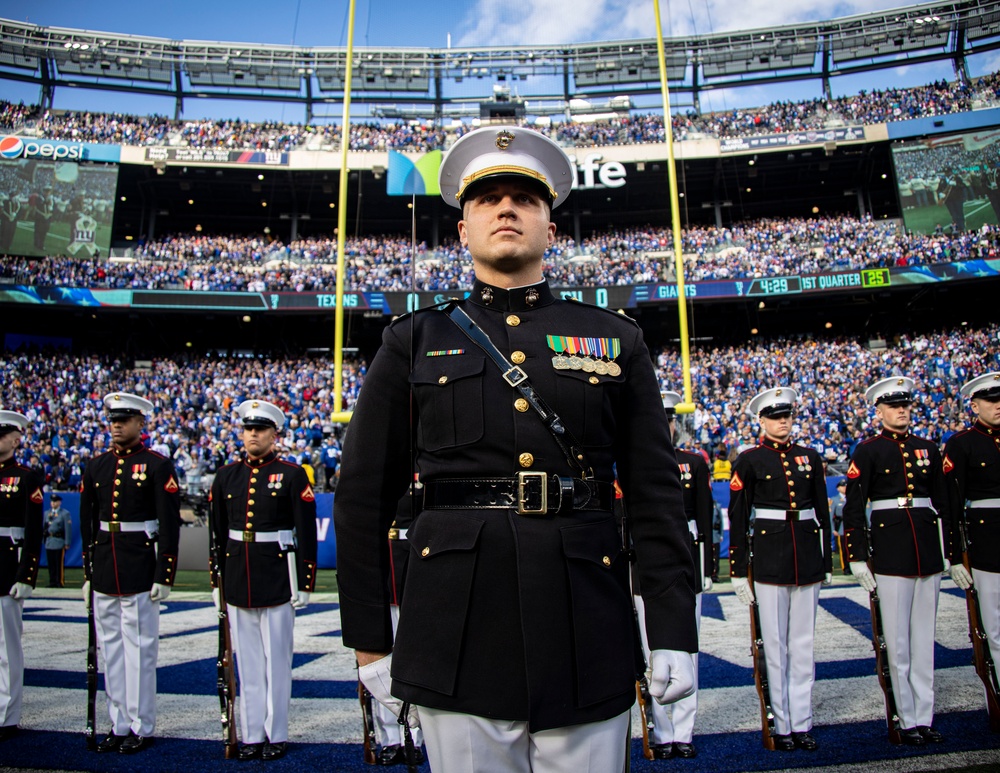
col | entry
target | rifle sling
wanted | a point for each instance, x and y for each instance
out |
(515, 377)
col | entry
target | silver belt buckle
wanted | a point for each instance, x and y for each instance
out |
(904, 501)
(524, 480)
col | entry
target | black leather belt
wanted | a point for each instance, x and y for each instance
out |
(527, 493)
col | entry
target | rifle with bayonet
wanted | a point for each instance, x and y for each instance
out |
(982, 658)
(226, 674)
(368, 723)
(760, 667)
(882, 666)
(91, 656)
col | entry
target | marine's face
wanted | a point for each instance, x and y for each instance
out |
(895, 418)
(988, 410)
(9, 441)
(258, 441)
(125, 432)
(777, 428)
(506, 225)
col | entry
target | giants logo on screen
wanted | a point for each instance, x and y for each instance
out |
(15, 147)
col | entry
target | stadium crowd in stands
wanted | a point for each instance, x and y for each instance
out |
(195, 421)
(766, 247)
(194, 397)
(865, 108)
(831, 376)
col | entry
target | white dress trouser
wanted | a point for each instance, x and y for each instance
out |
(909, 617)
(128, 631)
(788, 626)
(11, 661)
(263, 645)
(463, 743)
(675, 721)
(388, 730)
(988, 586)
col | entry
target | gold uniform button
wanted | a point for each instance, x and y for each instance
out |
(526, 460)
(909, 464)
(783, 456)
(249, 514)
(521, 404)
(254, 471)
(249, 525)
(252, 491)
(249, 501)
(443, 380)
(906, 455)
(513, 320)
(791, 483)
(253, 480)
(594, 380)
(425, 552)
(517, 358)
(793, 505)
(606, 561)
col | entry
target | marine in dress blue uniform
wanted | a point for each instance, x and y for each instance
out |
(779, 520)
(673, 724)
(57, 526)
(901, 477)
(130, 525)
(515, 635)
(20, 549)
(972, 469)
(263, 513)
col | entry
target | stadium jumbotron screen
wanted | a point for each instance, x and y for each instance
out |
(949, 181)
(56, 207)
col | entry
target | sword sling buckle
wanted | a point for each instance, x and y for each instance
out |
(532, 488)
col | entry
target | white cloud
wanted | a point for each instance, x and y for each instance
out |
(542, 22)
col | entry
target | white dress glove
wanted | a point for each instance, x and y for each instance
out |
(863, 575)
(706, 584)
(159, 592)
(741, 585)
(301, 601)
(21, 590)
(216, 599)
(828, 579)
(947, 566)
(961, 576)
(86, 593)
(376, 677)
(673, 675)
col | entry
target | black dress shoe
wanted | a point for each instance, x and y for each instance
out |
(805, 741)
(912, 737)
(274, 751)
(251, 751)
(685, 750)
(662, 751)
(929, 734)
(390, 755)
(135, 743)
(111, 742)
(7, 731)
(783, 743)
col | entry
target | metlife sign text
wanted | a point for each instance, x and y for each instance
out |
(610, 174)
(12, 147)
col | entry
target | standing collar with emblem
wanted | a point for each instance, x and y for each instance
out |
(896, 437)
(133, 449)
(776, 446)
(981, 426)
(516, 299)
(267, 458)
(12, 462)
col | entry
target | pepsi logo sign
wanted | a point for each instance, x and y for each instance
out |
(15, 147)
(11, 147)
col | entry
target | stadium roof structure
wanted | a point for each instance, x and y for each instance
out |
(454, 82)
